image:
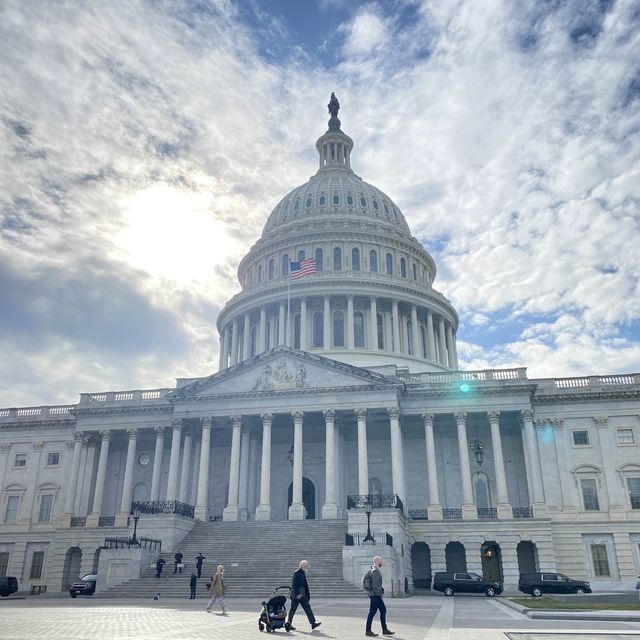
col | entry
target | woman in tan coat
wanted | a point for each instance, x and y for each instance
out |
(217, 589)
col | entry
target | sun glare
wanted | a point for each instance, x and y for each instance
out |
(172, 234)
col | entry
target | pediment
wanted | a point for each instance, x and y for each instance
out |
(283, 370)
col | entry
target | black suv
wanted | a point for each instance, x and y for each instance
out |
(86, 586)
(450, 583)
(8, 585)
(536, 584)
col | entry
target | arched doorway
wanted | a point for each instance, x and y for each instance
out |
(455, 557)
(527, 557)
(491, 561)
(71, 569)
(308, 497)
(421, 564)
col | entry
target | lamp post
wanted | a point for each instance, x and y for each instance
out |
(368, 507)
(135, 512)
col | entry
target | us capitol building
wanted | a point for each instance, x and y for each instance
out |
(338, 394)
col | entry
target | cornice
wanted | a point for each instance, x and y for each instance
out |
(448, 389)
(36, 424)
(110, 410)
(631, 394)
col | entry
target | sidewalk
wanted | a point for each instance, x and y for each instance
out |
(574, 614)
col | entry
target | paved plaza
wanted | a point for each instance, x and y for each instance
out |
(418, 618)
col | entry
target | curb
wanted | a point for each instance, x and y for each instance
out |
(573, 614)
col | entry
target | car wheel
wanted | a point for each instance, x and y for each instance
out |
(579, 590)
(536, 592)
(448, 591)
(490, 591)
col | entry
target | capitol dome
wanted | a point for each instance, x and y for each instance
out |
(369, 300)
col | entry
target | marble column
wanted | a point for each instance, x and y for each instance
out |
(326, 325)
(72, 486)
(442, 342)
(187, 447)
(434, 509)
(253, 474)
(395, 325)
(363, 459)
(303, 324)
(469, 511)
(98, 494)
(535, 471)
(329, 509)
(231, 510)
(350, 330)
(157, 464)
(174, 460)
(341, 500)
(282, 324)
(202, 498)
(234, 342)
(450, 348)
(127, 484)
(397, 454)
(246, 337)
(504, 508)
(243, 482)
(297, 510)
(415, 331)
(262, 344)
(606, 437)
(373, 313)
(264, 510)
(431, 341)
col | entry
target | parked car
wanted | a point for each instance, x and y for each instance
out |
(86, 586)
(536, 584)
(8, 585)
(449, 583)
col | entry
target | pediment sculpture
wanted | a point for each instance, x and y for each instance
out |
(284, 375)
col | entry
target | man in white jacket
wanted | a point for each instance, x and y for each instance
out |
(372, 583)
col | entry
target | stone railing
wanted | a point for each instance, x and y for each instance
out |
(586, 384)
(487, 513)
(522, 512)
(122, 543)
(418, 514)
(164, 506)
(78, 521)
(484, 375)
(130, 397)
(106, 521)
(57, 412)
(452, 514)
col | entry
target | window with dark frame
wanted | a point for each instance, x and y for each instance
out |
(37, 562)
(581, 438)
(600, 560)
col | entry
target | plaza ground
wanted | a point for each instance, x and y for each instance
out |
(418, 618)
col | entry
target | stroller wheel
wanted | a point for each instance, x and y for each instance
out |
(260, 626)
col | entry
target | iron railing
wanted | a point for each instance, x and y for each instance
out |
(452, 514)
(523, 512)
(106, 521)
(376, 501)
(358, 538)
(78, 521)
(419, 514)
(487, 513)
(127, 543)
(164, 506)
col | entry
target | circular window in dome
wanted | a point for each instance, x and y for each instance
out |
(363, 202)
(336, 199)
(322, 200)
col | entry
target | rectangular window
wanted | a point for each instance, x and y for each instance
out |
(600, 560)
(11, 514)
(37, 562)
(20, 460)
(53, 459)
(4, 563)
(46, 502)
(590, 494)
(625, 436)
(581, 438)
(634, 492)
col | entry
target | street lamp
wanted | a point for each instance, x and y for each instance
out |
(135, 512)
(367, 508)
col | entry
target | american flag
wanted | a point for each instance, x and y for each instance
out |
(303, 268)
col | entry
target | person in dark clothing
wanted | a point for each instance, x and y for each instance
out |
(300, 596)
(159, 566)
(372, 583)
(178, 560)
(192, 583)
(199, 561)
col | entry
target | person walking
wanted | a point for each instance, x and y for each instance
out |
(199, 561)
(217, 590)
(300, 596)
(177, 561)
(637, 586)
(159, 566)
(372, 584)
(192, 583)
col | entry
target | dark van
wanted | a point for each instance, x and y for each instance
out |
(8, 585)
(536, 584)
(463, 582)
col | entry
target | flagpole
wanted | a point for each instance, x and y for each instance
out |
(289, 308)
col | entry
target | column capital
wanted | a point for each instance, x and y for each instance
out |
(176, 424)
(329, 415)
(105, 435)
(236, 421)
(350, 296)
(427, 419)
(297, 416)
(159, 431)
(494, 416)
(5, 448)
(361, 414)
(373, 298)
(394, 412)
(79, 436)
(132, 433)
(527, 414)
(461, 417)
(267, 418)
(601, 421)
(206, 422)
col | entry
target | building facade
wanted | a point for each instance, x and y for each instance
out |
(336, 390)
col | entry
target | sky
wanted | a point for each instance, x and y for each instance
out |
(143, 145)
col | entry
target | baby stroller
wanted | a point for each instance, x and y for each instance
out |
(274, 611)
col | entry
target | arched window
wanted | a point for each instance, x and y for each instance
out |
(271, 268)
(319, 260)
(308, 203)
(415, 272)
(285, 265)
(409, 337)
(318, 329)
(337, 259)
(380, 325)
(358, 329)
(301, 255)
(373, 260)
(389, 264)
(338, 329)
(350, 200)
(259, 273)
(355, 259)
(296, 331)
(322, 200)
(403, 267)
(423, 335)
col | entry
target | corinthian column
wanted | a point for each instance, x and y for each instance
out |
(533, 456)
(243, 483)
(330, 508)
(469, 511)
(174, 460)
(98, 494)
(434, 510)
(127, 485)
(397, 454)
(264, 511)
(202, 499)
(231, 510)
(363, 461)
(185, 477)
(297, 510)
(504, 508)
(157, 464)
(70, 501)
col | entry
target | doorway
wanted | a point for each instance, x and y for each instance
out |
(308, 497)
(491, 561)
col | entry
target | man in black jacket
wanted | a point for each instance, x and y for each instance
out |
(372, 584)
(300, 596)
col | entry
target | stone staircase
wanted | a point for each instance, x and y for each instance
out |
(257, 557)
